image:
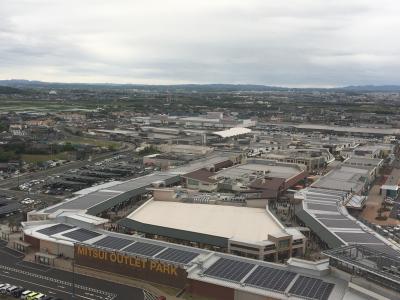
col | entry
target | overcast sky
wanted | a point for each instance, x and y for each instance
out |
(272, 42)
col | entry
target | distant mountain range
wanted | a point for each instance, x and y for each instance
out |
(13, 86)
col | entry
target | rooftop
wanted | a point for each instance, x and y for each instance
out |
(323, 211)
(232, 222)
(232, 132)
(343, 179)
(201, 175)
(98, 196)
(276, 170)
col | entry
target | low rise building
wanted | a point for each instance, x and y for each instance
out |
(311, 159)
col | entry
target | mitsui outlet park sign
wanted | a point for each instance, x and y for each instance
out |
(131, 266)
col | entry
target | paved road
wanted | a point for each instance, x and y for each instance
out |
(58, 283)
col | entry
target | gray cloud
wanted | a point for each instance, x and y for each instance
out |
(287, 42)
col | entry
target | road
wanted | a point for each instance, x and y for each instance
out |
(14, 181)
(58, 283)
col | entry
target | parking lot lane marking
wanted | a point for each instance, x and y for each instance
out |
(24, 265)
(65, 283)
(48, 287)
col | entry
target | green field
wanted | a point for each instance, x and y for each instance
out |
(34, 158)
(95, 142)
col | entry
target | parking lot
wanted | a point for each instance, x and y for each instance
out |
(119, 167)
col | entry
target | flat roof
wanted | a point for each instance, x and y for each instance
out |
(232, 132)
(273, 170)
(344, 178)
(213, 159)
(362, 160)
(231, 222)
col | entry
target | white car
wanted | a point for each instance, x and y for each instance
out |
(4, 287)
(25, 294)
(10, 289)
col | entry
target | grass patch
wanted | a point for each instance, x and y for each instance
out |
(35, 158)
(95, 142)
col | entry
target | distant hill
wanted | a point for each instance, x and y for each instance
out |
(373, 88)
(159, 88)
(189, 88)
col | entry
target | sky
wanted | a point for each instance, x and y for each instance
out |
(295, 43)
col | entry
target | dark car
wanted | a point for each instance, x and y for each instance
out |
(17, 293)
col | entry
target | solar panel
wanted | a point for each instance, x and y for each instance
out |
(55, 229)
(339, 223)
(113, 242)
(229, 269)
(271, 279)
(358, 237)
(178, 256)
(81, 234)
(144, 249)
(311, 288)
(322, 207)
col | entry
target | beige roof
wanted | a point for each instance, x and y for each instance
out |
(244, 224)
(232, 132)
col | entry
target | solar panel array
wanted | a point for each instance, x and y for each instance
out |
(311, 288)
(55, 229)
(178, 256)
(270, 279)
(232, 270)
(144, 249)
(111, 242)
(81, 235)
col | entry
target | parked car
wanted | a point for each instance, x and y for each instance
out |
(4, 287)
(18, 292)
(25, 294)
